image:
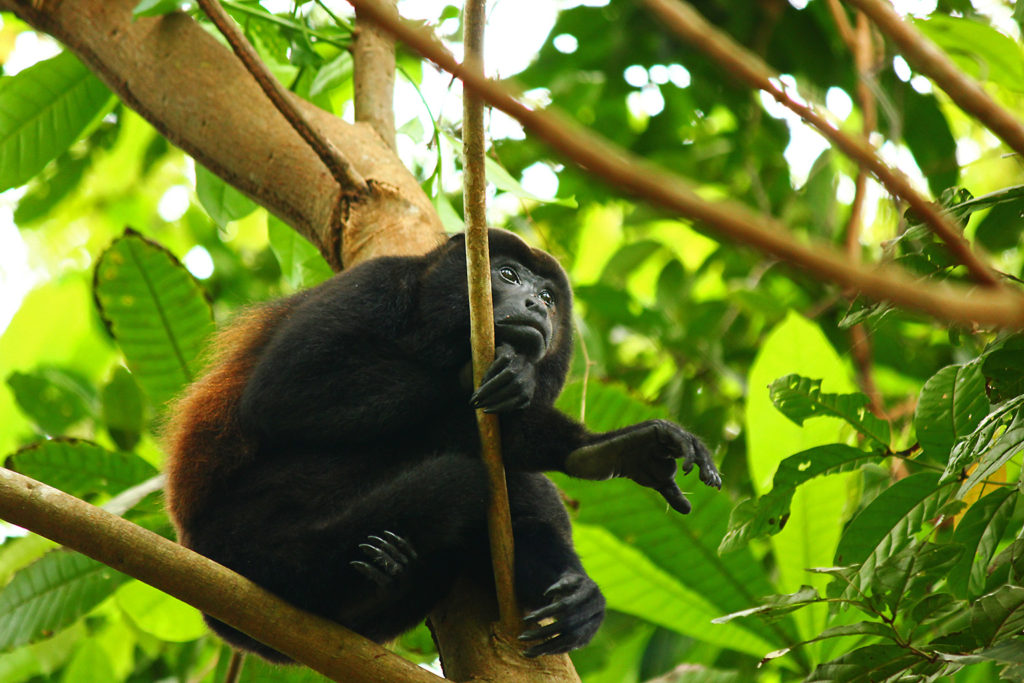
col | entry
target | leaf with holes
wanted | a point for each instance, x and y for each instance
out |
(51, 594)
(44, 109)
(799, 398)
(155, 310)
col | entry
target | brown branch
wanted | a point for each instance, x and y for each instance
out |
(927, 58)
(731, 219)
(373, 78)
(499, 519)
(687, 23)
(321, 644)
(198, 95)
(342, 171)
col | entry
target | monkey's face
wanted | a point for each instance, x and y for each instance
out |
(526, 308)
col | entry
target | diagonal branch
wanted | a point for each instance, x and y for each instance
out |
(687, 23)
(935, 64)
(348, 178)
(323, 645)
(730, 219)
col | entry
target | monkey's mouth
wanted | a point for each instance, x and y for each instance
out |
(521, 332)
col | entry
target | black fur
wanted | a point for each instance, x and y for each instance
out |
(360, 494)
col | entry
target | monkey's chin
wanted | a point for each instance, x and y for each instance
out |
(527, 340)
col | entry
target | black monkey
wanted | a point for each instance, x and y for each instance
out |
(331, 452)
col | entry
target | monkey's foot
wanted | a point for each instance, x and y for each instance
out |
(388, 556)
(576, 611)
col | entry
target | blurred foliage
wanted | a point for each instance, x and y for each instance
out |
(845, 545)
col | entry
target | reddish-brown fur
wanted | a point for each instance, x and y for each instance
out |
(202, 437)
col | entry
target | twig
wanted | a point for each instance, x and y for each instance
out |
(499, 520)
(342, 171)
(731, 219)
(321, 644)
(234, 667)
(934, 63)
(687, 23)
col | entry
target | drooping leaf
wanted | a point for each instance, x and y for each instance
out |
(52, 398)
(44, 109)
(81, 468)
(980, 532)
(865, 665)
(155, 310)
(1003, 368)
(123, 407)
(777, 604)
(768, 515)
(799, 398)
(951, 405)
(51, 594)
(906, 576)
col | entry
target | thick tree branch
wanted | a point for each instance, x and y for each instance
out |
(197, 94)
(731, 219)
(374, 78)
(348, 178)
(687, 23)
(321, 644)
(934, 63)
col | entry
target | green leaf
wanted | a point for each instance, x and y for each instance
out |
(1001, 228)
(799, 398)
(888, 524)
(632, 584)
(332, 74)
(951, 405)
(904, 577)
(301, 263)
(769, 514)
(155, 310)
(81, 468)
(777, 604)
(979, 532)
(1003, 368)
(978, 48)
(860, 628)
(52, 398)
(222, 202)
(998, 615)
(159, 614)
(44, 109)
(90, 664)
(51, 594)
(865, 665)
(123, 408)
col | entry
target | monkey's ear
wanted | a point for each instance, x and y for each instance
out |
(457, 239)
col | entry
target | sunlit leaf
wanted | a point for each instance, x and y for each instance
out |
(222, 201)
(159, 614)
(44, 109)
(155, 310)
(51, 594)
(799, 398)
(81, 468)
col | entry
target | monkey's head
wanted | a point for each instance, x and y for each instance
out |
(532, 305)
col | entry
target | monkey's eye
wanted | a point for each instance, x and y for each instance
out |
(547, 298)
(509, 275)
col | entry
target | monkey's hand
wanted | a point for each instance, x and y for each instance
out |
(388, 559)
(508, 385)
(575, 611)
(647, 454)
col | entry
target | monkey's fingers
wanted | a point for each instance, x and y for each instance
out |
(372, 573)
(400, 542)
(675, 498)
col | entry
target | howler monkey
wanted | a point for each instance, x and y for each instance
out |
(330, 454)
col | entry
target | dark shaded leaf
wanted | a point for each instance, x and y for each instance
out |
(951, 405)
(979, 532)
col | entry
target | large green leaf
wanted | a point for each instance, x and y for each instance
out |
(81, 468)
(866, 665)
(951, 405)
(51, 594)
(810, 536)
(998, 615)
(768, 515)
(799, 398)
(54, 399)
(633, 584)
(222, 201)
(682, 546)
(978, 48)
(44, 109)
(155, 310)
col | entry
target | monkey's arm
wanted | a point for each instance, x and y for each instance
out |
(544, 439)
